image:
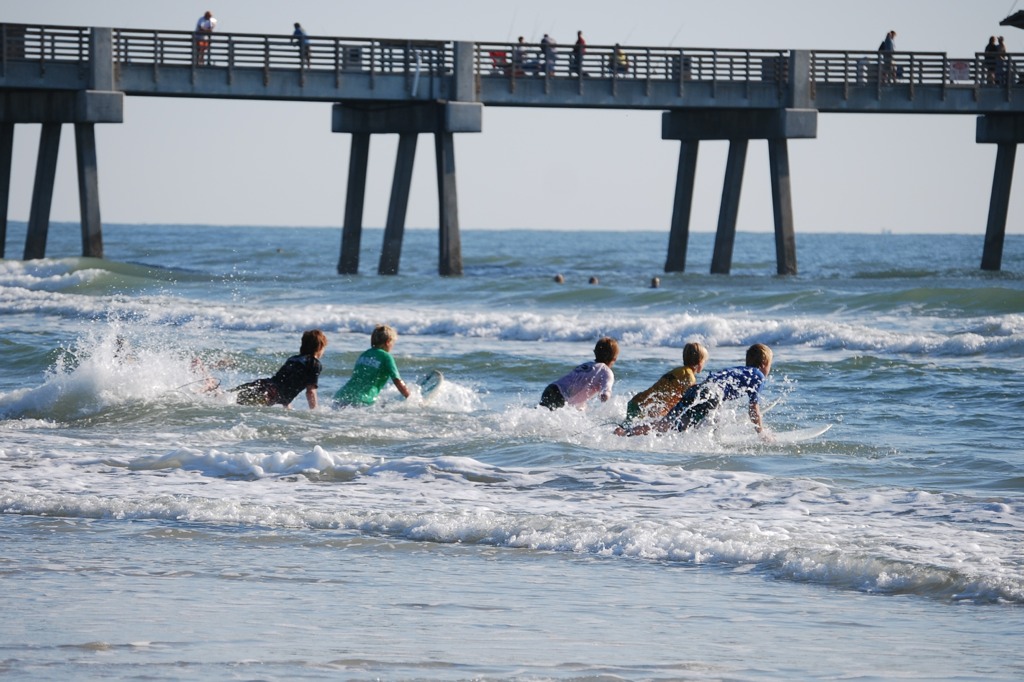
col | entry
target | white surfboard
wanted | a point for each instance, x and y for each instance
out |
(778, 437)
(800, 435)
(430, 383)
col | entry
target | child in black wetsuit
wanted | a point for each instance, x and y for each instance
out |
(299, 372)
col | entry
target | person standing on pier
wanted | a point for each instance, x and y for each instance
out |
(619, 61)
(520, 61)
(547, 48)
(202, 35)
(887, 47)
(299, 36)
(578, 50)
(991, 60)
(1003, 67)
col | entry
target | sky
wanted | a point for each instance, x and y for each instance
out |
(274, 163)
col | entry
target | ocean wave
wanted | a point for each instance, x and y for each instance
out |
(886, 542)
(996, 335)
(110, 367)
(83, 275)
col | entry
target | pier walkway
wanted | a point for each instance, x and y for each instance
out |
(52, 75)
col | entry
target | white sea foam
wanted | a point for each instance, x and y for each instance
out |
(888, 542)
(105, 369)
(45, 275)
(875, 334)
(116, 426)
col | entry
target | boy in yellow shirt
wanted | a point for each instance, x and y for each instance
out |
(655, 402)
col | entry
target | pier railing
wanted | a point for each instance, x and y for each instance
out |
(43, 44)
(622, 62)
(40, 46)
(245, 50)
(848, 69)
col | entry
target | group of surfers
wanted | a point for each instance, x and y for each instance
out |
(677, 401)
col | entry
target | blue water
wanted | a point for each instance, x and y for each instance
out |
(150, 530)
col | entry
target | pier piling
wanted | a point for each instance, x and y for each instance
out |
(738, 127)
(42, 191)
(88, 190)
(6, 159)
(449, 240)
(1006, 132)
(352, 229)
(394, 229)
(782, 203)
(725, 237)
(94, 101)
(442, 119)
(682, 207)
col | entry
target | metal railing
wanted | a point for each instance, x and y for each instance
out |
(831, 67)
(643, 63)
(45, 44)
(245, 50)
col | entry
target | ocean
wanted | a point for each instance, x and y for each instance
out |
(153, 530)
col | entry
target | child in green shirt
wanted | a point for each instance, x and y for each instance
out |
(372, 371)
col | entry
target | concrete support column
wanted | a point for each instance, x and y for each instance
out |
(738, 127)
(782, 202)
(798, 85)
(101, 59)
(721, 260)
(998, 207)
(42, 192)
(464, 72)
(449, 241)
(682, 205)
(6, 157)
(53, 108)
(394, 230)
(352, 228)
(443, 119)
(1005, 131)
(89, 190)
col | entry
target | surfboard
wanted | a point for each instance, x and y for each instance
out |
(800, 435)
(778, 437)
(430, 383)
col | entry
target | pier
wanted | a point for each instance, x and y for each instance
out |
(56, 75)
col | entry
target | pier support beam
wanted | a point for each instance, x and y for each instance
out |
(682, 206)
(738, 127)
(352, 230)
(394, 229)
(88, 190)
(1006, 132)
(449, 247)
(42, 192)
(782, 203)
(443, 119)
(725, 236)
(6, 158)
(53, 108)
